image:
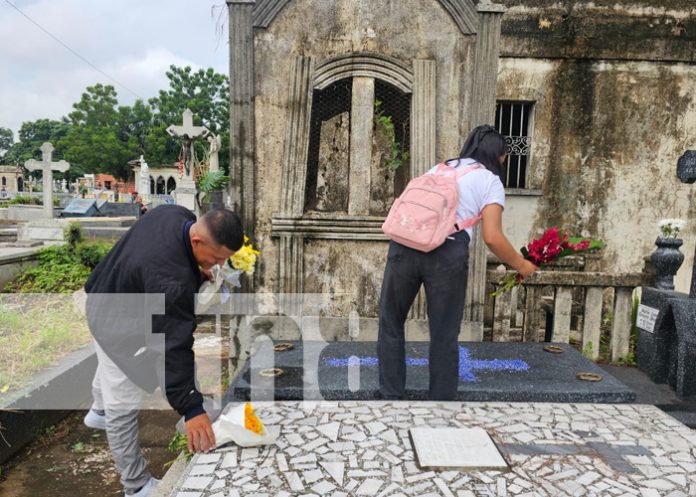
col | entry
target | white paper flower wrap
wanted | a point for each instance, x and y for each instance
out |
(229, 427)
(218, 291)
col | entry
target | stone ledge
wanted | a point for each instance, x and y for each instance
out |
(24, 413)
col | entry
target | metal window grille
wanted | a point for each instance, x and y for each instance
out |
(513, 121)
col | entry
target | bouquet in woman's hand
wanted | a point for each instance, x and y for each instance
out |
(553, 244)
(227, 276)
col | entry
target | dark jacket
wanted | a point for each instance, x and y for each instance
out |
(140, 305)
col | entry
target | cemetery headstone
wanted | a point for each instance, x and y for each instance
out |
(656, 333)
(666, 348)
(119, 209)
(683, 365)
(81, 207)
(47, 167)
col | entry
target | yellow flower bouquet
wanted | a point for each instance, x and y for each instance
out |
(240, 424)
(228, 276)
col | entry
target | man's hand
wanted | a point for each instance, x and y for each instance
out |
(200, 434)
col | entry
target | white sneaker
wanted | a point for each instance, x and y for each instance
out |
(95, 420)
(147, 489)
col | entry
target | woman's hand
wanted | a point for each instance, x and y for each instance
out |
(527, 268)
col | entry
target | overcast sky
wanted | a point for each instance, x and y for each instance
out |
(132, 41)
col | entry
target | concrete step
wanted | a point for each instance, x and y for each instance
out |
(8, 235)
(104, 232)
(102, 222)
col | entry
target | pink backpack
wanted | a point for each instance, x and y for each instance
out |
(425, 214)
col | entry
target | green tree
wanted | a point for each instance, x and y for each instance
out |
(206, 93)
(95, 143)
(133, 125)
(6, 140)
(32, 135)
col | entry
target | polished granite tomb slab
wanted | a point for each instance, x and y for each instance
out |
(488, 371)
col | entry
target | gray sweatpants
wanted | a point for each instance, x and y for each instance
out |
(120, 399)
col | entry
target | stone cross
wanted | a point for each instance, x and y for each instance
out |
(47, 167)
(686, 172)
(188, 133)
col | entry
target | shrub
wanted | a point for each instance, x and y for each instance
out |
(73, 234)
(61, 268)
(31, 200)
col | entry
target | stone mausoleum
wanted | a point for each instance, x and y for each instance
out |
(335, 105)
(597, 99)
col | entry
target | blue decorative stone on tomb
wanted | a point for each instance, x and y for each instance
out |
(488, 371)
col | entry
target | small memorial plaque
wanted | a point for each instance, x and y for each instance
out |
(646, 318)
(456, 448)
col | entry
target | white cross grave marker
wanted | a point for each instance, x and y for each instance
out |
(186, 190)
(47, 167)
(188, 133)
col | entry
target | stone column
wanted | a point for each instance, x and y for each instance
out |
(482, 112)
(297, 137)
(423, 116)
(361, 123)
(242, 130)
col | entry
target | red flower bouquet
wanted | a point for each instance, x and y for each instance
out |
(552, 245)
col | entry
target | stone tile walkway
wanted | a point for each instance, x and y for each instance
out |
(362, 448)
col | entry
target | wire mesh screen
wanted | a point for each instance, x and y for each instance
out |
(329, 155)
(328, 161)
(512, 120)
(391, 103)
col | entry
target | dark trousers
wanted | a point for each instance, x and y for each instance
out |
(444, 273)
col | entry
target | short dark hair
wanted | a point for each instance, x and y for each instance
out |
(225, 227)
(485, 145)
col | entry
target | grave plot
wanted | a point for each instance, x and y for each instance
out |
(353, 448)
(488, 371)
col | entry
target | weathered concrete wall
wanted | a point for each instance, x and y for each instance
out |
(630, 30)
(405, 30)
(607, 133)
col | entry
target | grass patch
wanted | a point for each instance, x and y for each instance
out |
(39, 322)
(36, 331)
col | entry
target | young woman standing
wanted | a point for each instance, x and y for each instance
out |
(444, 271)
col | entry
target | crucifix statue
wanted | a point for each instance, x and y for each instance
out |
(47, 167)
(188, 133)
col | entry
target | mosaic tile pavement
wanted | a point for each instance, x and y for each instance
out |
(351, 448)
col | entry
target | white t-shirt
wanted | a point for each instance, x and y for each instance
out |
(477, 189)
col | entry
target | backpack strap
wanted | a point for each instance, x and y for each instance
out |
(467, 223)
(466, 171)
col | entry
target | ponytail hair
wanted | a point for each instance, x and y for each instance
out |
(485, 145)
